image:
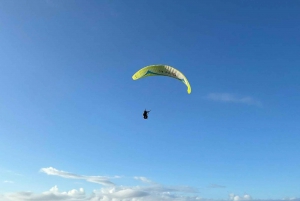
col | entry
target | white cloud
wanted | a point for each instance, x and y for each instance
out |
(94, 179)
(227, 97)
(127, 193)
(240, 198)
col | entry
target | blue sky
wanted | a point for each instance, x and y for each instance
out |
(71, 125)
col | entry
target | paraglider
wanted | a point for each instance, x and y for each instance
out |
(145, 114)
(162, 70)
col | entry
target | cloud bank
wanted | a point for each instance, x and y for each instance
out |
(117, 194)
(103, 194)
(227, 97)
(112, 192)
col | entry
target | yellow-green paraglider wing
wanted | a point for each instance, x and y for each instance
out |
(162, 70)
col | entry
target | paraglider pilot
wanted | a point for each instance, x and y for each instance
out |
(145, 114)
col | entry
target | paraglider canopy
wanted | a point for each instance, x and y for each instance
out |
(162, 70)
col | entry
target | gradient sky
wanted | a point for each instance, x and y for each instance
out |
(71, 115)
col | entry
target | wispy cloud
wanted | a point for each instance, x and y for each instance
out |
(227, 97)
(167, 189)
(143, 179)
(10, 172)
(291, 198)
(94, 179)
(9, 182)
(216, 186)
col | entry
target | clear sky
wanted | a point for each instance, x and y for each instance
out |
(71, 125)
